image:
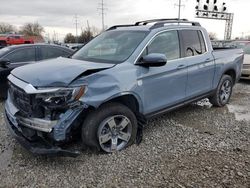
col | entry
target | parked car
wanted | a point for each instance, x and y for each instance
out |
(245, 45)
(15, 56)
(14, 39)
(107, 90)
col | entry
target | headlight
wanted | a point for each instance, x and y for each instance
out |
(62, 95)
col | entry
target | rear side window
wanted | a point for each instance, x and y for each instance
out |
(50, 52)
(22, 55)
(193, 43)
(165, 43)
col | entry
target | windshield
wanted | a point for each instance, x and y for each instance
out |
(111, 46)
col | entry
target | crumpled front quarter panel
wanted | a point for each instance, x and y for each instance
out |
(117, 81)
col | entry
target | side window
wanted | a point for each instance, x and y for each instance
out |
(193, 43)
(50, 52)
(165, 43)
(22, 55)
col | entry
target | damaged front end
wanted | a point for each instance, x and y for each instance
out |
(42, 119)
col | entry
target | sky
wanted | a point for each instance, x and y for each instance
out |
(57, 16)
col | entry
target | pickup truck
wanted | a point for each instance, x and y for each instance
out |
(13, 39)
(105, 93)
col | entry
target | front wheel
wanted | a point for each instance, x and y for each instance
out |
(223, 91)
(110, 128)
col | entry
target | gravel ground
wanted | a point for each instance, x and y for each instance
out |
(196, 146)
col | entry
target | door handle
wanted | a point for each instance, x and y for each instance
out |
(208, 60)
(181, 66)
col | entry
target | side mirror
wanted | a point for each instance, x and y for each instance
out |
(153, 60)
(4, 62)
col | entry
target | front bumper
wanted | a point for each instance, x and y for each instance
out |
(39, 145)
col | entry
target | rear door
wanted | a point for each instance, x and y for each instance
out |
(164, 86)
(200, 62)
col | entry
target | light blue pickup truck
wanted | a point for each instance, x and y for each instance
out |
(107, 90)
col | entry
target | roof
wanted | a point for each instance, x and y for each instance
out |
(37, 44)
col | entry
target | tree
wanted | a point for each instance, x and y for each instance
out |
(85, 36)
(95, 31)
(6, 28)
(32, 29)
(212, 36)
(69, 38)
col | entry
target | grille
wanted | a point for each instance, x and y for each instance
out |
(20, 99)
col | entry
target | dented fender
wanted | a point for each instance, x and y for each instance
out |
(107, 85)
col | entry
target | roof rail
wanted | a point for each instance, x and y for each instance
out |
(145, 22)
(162, 23)
(116, 26)
(158, 23)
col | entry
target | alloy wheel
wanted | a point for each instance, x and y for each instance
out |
(114, 133)
(225, 91)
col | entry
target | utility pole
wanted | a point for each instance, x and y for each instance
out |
(88, 25)
(102, 9)
(76, 23)
(179, 5)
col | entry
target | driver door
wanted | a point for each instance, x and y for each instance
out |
(166, 85)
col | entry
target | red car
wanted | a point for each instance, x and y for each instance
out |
(14, 39)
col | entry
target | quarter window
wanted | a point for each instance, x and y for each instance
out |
(202, 41)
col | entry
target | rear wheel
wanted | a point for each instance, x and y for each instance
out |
(223, 91)
(110, 128)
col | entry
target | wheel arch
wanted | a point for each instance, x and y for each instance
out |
(132, 101)
(231, 72)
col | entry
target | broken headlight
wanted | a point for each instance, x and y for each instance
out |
(62, 96)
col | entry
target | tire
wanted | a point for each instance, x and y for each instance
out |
(3, 94)
(110, 128)
(223, 91)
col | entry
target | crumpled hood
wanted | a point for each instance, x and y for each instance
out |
(57, 72)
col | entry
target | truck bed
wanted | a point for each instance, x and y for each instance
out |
(228, 59)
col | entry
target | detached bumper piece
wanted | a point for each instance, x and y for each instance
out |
(38, 146)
